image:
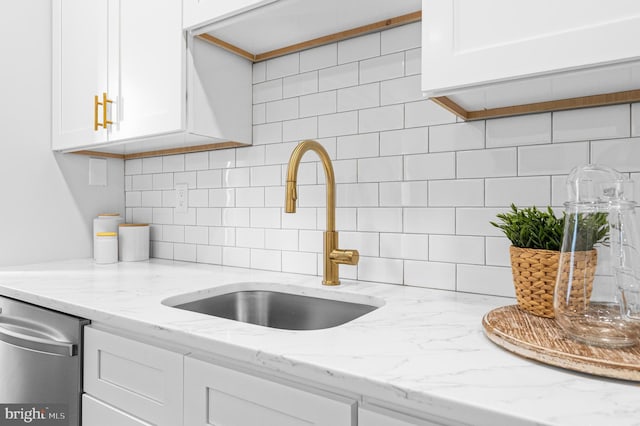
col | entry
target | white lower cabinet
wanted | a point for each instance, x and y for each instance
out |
(142, 380)
(217, 395)
(97, 413)
(380, 417)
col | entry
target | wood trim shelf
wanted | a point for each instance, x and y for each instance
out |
(558, 105)
(162, 152)
(320, 41)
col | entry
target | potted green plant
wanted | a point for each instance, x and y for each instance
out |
(536, 237)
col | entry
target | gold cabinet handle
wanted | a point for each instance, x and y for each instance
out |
(105, 101)
(96, 124)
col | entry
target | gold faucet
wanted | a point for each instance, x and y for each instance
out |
(333, 256)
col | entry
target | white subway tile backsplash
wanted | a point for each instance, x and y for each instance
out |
(299, 262)
(222, 159)
(456, 137)
(380, 270)
(206, 216)
(285, 109)
(426, 113)
(267, 91)
(623, 154)
(519, 130)
(416, 186)
(259, 72)
(318, 104)
(250, 237)
(358, 146)
(358, 97)
(209, 254)
(344, 123)
(436, 275)
(281, 239)
(430, 166)
(382, 169)
(357, 195)
(196, 161)
(380, 119)
(400, 90)
(401, 38)
(404, 246)
(552, 159)
(475, 221)
(297, 130)
(404, 194)
(301, 84)
(521, 191)
(173, 163)
(141, 182)
(459, 193)
(152, 165)
(487, 163)
(259, 114)
(405, 141)
(383, 219)
(250, 156)
(429, 220)
(196, 235)
(592, 123)
(456, 249)
(497, 251)
(270, 260)
(356, 49)
(493, 280)
(283, 66)
(319, 57)
(413, 62)
(382, 68)
(209, 178)
(267, 133)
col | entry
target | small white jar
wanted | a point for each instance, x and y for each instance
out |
(105, 247)
(133, 242)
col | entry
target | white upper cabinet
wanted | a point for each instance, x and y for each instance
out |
(125, 80)
(199, 12)
(485, 54)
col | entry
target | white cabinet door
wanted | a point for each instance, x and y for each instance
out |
(467, 43)
(97, 413)
(370, 417)
(134, 377)
(146, 84)
(199, 12)
(79, 70)
(216, 395)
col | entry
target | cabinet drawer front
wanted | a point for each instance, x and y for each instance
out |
(138, 378)
(368, 417)
(216, 395)
(97, 413)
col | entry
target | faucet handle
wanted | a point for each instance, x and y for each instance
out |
(345, 257)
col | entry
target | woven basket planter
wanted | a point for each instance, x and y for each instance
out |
(534, 277)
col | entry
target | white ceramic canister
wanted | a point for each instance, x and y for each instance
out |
(105, 247)
(133, 242)
(105, 222)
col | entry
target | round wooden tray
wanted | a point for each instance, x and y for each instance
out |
(542, 340)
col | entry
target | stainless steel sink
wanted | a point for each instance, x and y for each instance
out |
(277, 309)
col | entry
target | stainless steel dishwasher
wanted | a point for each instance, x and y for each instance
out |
(40, 365)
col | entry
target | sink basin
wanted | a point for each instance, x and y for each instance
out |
(276, 308)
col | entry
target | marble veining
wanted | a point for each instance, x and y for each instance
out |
(424, 349)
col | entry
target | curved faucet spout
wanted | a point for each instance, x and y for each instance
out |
(333, 256)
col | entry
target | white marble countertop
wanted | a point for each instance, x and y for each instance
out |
(425, 348)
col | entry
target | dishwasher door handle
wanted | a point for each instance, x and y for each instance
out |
(47, 346)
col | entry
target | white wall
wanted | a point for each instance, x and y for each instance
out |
(46, 205)
(416, 187)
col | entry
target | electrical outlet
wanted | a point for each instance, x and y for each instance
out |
(182, 197)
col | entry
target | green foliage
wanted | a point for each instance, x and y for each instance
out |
(531, 228)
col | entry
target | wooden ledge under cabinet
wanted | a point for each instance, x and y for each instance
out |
(162, 152)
